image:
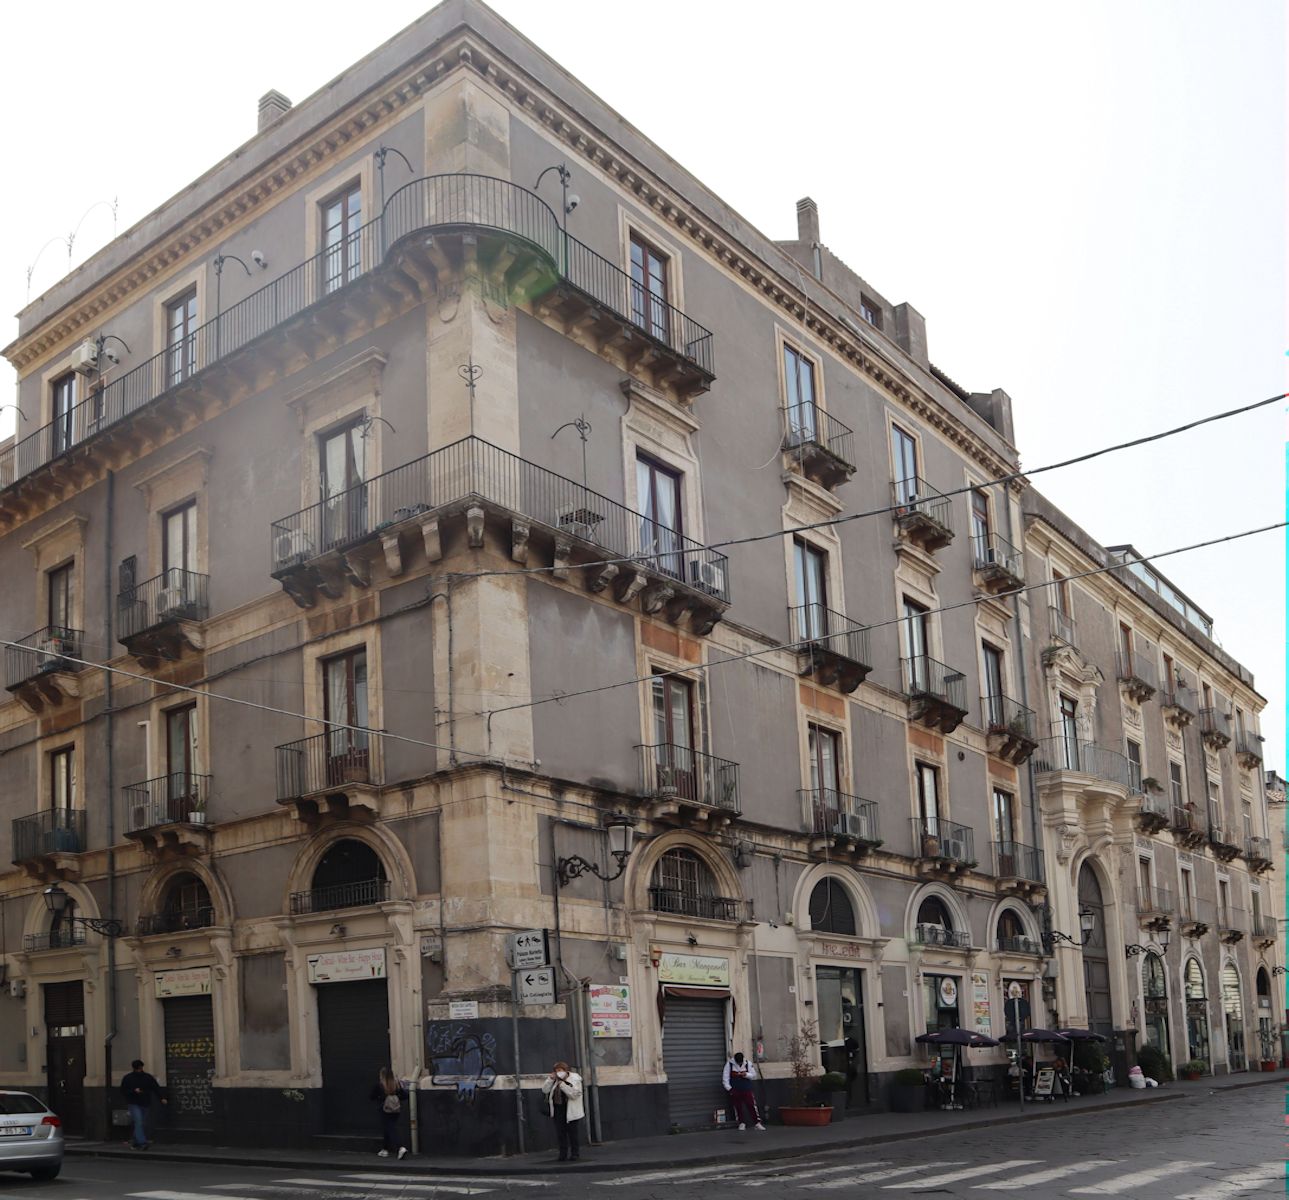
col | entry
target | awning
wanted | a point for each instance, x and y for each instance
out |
(688, 992)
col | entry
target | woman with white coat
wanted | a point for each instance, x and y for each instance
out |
(563, 1092)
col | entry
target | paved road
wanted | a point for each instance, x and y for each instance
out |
(1225, 1147)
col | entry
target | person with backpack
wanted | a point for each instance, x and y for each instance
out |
(391, 1096)
(739, 1075)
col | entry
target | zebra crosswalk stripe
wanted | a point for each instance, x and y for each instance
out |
(966, 1173)
(187, 1196)
(658, 1176)
(1246, 1181)
(783, 1176)
(1138, 1179)
(872, 1176)
(1036, 1177)
(414, 1189)
(480, 1180)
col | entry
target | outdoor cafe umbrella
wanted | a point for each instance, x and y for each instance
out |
(1080, 1035)
(1035, 1036)
(955, 1038)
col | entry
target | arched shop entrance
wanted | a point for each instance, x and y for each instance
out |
(1154, 991)
(1196, 1011)
(1096, 960)
(1233, 1010)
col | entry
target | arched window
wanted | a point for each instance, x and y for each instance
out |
(1154, 980)
(184, 905)
(1011, 934)
(934, 911)
(830, 908)
(1194, 980)
(683, 883)
(1264, 987)
(935, 925)
(349, 873)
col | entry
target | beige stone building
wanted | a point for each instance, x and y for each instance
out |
(364, 557)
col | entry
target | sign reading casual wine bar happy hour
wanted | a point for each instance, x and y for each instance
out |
(346, 966)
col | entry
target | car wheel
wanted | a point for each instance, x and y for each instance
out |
(44, 1174)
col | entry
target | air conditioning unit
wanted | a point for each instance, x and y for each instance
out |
(852, 824)
(708, 577)
(85, 358)
(954, 848)
(292, 547)
(932, 935)
(170, 600)
(17, 988)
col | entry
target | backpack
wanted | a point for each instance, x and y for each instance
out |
(392, 1103)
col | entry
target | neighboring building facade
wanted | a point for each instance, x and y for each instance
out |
(502, 452)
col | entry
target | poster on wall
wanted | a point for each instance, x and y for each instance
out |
(194, 981)
(980, 1003)
(610, 1010)
(345, 966)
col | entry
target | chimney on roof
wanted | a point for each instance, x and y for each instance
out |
(272, 105)
(807, 221)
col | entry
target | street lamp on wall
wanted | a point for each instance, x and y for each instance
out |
(621, 829)
(58, 902)
(1163, 934)
(1087, 922)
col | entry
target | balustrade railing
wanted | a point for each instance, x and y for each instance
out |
(840, 815)
(934, 837)
(670, 770)
(831, 631)
(690, 904)
(1015, 860)
(1180, 696)
(914, 496)
(46, 650)
(339, 895)
(473, 468)
(806, 424)
(176, 920)
(1019, 944)
(326, 760)
(55, 939)
(1257, 849)
(53, 831)
(1062, 626)
(992, 550)
(924, 676)
(1002, 714)
(1214, 723)
(1136, 667)
(179, 798)
(1087, 758)
(1249, 746)
(174, 595)
(1154, 901)
(930, 934)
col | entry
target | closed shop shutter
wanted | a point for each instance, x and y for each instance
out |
(693, 1055)
(65, 1051)
(64, 1005)
(353, 1027)
(190, 1061)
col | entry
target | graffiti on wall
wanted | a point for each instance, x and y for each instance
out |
(461, 1058)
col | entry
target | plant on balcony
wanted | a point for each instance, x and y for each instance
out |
(666, 782)
(1151, 784)
(800, 1051)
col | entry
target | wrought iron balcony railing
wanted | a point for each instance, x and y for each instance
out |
(339, 895)
(1156, 804)
(1232, 922)
(1004, 715)
(807, 424)
(1264, 929)
(668, 770)
(1019, 944)
(839, 815)
(474, 469)
(689, 904)
(817, 626)
(1180, 696)
(1062, 626)
(176, 920)
(993, 552)
(53, 831)
(1257, 849)
(1154, 902)
(930, 934)
(1136, 668)
(1195, 915)
(925, 677)
(454, 202)
(176, 799)
(326, 760)
(1248, 748)
(1015, 860)
(40, 653)
(934, 837)
(1214, 727)
(174, 595)
(55, 939)
(914, 497)
(1087, 758)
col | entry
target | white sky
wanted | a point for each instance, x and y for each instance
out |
(1086, 202)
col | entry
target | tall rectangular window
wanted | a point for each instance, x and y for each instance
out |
(344, 701)
(980, 525)
(928, 784)
(1004, 817)
(181, 759)
(1145, 880)
(649, 298)
(62, 412)
(59, 608)
(825, 764)
(992, 658)
(914, 633)
(181, 337)
(179, 542)
(1070, 731)
(1060, 593)
(1188, 893)
(1170, 675)
(342, 472)
(799, 378)
(1176, 785)
(1134, 763)
(904, 449)
(661, 526)
(1125, 647)
(1224, 904)
(811, 568)
(1214, 804)
(62, 779)
(675, 734)
(341, 240)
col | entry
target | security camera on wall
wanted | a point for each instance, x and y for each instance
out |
(257, 257)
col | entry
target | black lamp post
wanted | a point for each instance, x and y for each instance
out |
(1087, 922)
(58, 902)
(567, 202)
(621, 842)
(1165, 935)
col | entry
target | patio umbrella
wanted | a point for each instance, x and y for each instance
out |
(955, 1038)
(1043, 1035)
(1080, 1035)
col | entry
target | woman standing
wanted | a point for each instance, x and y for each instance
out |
(391, 1096)
(563, 1092)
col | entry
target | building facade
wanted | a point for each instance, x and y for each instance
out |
(370, 552)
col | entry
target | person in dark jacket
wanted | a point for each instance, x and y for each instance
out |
(391, 1096)
(138, 1088)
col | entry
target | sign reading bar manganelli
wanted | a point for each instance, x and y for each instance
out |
(193, 981)
(702, 970)
(345, 966)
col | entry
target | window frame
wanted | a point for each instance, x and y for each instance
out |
(181, 335)
(921, 773)
(62, 770)
(350, 236)
(651, 310)
(61, 581)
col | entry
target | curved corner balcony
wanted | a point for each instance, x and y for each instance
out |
(427, 228)
(1084, 765)
(457, 493)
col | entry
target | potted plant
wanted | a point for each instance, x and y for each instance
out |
(908, 1091)
(1151, 784)
(930, 846)
(805, 1075)
(1194, 1069)
(1155, 1064)
(832, 1089)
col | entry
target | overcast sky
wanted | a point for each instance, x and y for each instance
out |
(1086, 202)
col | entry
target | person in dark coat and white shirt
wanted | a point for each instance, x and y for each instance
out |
(737, 1079)
(138, 1088)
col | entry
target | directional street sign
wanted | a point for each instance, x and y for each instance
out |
(535, 986)
(528, 948)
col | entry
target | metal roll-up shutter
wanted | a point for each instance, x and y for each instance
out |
(353, 1028)
(64, 1006)
(693, 1055)
(190, 1061)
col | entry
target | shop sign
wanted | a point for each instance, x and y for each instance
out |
(463, 1010)
(980, 1002)
(345, 966)
(699, 970)
(841, 950)
(193, 981)
(610, 1010)
(948, 991)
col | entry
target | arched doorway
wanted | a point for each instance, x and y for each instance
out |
(1196, 1011)
(839, 995)
(1154, 991)
(1233, 1011)
(1096, 960)
(1267, 1048)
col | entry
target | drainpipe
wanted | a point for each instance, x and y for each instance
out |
(1034, 831)
(108, 550)
(446, 597)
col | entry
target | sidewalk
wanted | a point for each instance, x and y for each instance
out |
(697, 1149)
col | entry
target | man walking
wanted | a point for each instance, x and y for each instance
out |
(138, 1088)
(738, 1078)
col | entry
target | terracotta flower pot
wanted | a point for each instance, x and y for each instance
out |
(805, 1116)
(1268, 1064)
(1191, 1075)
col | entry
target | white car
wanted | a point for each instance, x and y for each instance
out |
(31, 1136)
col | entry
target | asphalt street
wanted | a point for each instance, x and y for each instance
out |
(1227, 1146)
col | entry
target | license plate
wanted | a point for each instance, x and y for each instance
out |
(15, 1131)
